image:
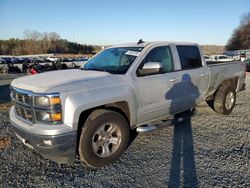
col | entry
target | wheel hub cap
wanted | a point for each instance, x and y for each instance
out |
(106, 140)
(229, 101)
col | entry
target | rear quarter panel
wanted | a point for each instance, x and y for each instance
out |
(223, 71)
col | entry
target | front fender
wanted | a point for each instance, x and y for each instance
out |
(78, 102)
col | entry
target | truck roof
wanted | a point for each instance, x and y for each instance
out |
(144, 44)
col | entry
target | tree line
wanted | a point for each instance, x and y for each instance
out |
(240, 38)
(35, 42)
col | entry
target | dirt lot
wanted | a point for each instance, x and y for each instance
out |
(210, 150)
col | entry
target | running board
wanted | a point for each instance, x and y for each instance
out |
(167, 123)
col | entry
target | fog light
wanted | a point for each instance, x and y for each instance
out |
(47, 142)
(45, 116)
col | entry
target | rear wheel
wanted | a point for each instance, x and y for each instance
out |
(104, 138)
(224, 100)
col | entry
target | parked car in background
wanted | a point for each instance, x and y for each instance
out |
(16, 62)
(3, 66)
(53, 59)
(66, 62)
(207, 58)
(220, 58)
(66, 59)
(247, 64)
(6, 66)
(74, 62)
(79, 62)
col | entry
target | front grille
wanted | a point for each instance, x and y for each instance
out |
(21, 98)
(23, 102)
(24, 113)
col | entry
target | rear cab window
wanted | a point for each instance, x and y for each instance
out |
(190, 57)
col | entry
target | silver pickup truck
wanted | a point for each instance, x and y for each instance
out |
(90, 112)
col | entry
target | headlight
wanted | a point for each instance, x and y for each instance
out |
(48, 108)
(44, 101)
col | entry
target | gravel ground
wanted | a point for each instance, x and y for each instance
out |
(209, 150)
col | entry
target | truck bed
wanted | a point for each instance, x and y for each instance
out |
(222, 71)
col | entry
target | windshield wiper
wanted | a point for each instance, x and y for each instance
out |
(94, 69)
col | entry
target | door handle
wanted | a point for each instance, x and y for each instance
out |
(173, 80)
(203, 74)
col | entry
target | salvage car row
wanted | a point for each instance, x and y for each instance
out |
(38, 64)
(224, 58)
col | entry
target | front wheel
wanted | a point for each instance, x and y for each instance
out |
(104, 137)
(224, 100)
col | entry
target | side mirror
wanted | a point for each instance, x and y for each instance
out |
(150, 68)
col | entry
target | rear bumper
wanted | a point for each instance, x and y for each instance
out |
(60, 148)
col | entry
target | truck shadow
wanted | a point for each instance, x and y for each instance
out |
(4, 93)
(133, 136)
(182, 171)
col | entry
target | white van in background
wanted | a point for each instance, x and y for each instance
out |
(220, 58)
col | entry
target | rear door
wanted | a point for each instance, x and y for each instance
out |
(194, 75)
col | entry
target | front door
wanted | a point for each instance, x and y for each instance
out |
(157, 94)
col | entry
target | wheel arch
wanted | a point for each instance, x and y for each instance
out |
(121, 107)
(234, 82)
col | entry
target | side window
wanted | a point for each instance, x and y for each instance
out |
(189, 56)
(160, 55)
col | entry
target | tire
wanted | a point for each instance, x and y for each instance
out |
(58, 66)
(64, 66)
(224, 100)
(17, 70)
(95, 146)
(5, 70)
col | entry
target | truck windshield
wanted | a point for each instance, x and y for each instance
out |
(113, 60)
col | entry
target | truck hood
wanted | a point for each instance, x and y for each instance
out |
(41, 83)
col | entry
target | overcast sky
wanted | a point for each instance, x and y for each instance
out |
(106, 22)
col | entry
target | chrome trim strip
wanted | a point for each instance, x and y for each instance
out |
(56, 94)
(30, 93)
(27, 92)
(51, 108)
(55, 109)
(23, 106)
